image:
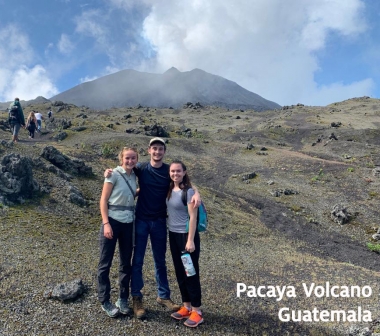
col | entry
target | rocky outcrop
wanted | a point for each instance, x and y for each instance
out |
(72, 166)
(16, 178)
(60, 136)
(156, 130)
(65, 291)
(248, 176)
(376, 171)
(57, 123)
(339, 214)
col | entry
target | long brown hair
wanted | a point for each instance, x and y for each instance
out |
(185, 184)
(31, 115)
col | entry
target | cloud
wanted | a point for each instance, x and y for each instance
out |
(29, 83)
(14, 47)
(116, 33)
(65, 46)
(107, 71)
(87, 79)
(268, 46)
(336, 92)
(91, 23)
(19, 76)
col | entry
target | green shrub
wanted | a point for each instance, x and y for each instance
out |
(318, 177)
(106, 150)
(373, 193)
(373, 247)
(296, 208)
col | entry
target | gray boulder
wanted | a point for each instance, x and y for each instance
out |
(156, 130)
(60, 136)
(73, 166)
(57, 123)
(58, 103)
(16, 177)
(75, 196)
(249, 176)
(339, 214)
(376, 171)
(66, 291)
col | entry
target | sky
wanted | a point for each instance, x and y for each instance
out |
(314, 52)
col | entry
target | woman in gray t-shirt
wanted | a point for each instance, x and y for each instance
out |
(182, 241)
(117, 209)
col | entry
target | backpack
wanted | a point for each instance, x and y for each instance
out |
(202, 220)
(13, 112)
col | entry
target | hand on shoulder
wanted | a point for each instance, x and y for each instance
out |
(108, 172)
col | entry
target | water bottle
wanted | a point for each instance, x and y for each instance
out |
(188, 263)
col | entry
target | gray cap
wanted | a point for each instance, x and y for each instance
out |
(160, 140)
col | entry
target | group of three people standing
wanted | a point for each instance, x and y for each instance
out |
(159, 199)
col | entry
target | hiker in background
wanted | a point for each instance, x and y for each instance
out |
(16, 119)
(117, 209)
(181, 240)
(50, 113)
(154, 181)
(39, 118)
(31, 124)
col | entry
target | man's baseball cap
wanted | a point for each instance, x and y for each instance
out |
(154, 140)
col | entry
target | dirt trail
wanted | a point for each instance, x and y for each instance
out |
(305, 156)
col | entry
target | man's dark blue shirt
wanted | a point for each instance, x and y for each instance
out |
(154, 186)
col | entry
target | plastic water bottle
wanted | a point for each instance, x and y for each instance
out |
(188, 263)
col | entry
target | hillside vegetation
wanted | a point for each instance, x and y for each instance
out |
(269, 181)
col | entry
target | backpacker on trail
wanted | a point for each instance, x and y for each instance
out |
(16, 115)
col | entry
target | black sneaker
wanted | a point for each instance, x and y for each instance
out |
(122, 304)
(110, 309)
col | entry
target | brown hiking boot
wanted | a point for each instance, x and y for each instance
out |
(138, 307)
(168, 303)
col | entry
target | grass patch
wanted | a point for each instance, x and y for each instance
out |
(373, 194)
(295, 208)
(318, 177)
(374, 247)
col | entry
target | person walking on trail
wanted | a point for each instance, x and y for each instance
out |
(183, 240)
(117, 209)
(16, 119)
(50, 113)
(154, 181)
(39, 118)
(31, 124)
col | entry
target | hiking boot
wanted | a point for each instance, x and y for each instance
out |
(122, 304)
(110, 309)
(194, 320)
(181, 314)
(138, 307)
(168, 303)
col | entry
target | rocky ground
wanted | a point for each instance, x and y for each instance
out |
(269, 180)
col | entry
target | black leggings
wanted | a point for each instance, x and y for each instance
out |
(123, 233)
(190, 287)
(31, 131)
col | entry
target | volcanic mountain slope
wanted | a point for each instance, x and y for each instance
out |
(269, 181)
(173, 88)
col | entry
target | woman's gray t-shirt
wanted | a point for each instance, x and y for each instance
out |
(177, 212)
(121, 194)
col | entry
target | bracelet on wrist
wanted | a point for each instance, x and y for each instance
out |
(105, 223)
